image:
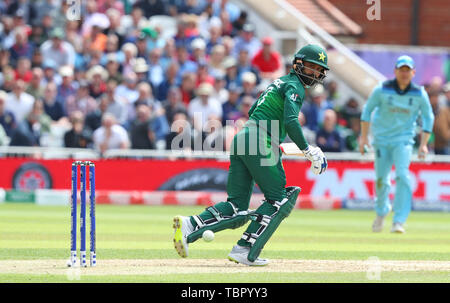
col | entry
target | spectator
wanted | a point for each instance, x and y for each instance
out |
(35, 88)
(106, 5)
(7, 37)
(97, 77)
(203, 106)
(180, 136)
(50, 74)
(145, 96)
(95, 39)
(116, 106)
(249, 85)
(220, 92)
(45, 8)
(227, 26)
(156, 68)
(22, 47)
(113, 68)
(216, 60)
(198, 53)
(350, 110)
(23, 9)
(239, 23)
(127, 90)
(231, 72)
(230, 109)
(173, 104)
(247, 40)
(142, 46)
(7, 120)
(19, 102)
(351, 139)
(129, 51)
(4, 58)
(67, 88)
(112, 47)
(213, 135)
(110, 135)
(328, 138)
(203, 74)
(152, 7)
(114, 29)
(314, 109)
(215, 35)
(30, 130)
(60, 51)
(52, 107)
(37, 60)
(23, 70)
(141, 133)
(169, 80)
(244, 65)
(94, 119)
(81, 102)
(7, 80)
(78, 136)
(131, 24)
(332, 91)
(185, 65)
(188, 85)
(267, 60)
(140, 67)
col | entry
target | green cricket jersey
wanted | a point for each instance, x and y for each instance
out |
(282, 101)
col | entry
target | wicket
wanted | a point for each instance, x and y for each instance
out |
(73, 212)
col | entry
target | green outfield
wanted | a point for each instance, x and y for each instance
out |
(134, 244)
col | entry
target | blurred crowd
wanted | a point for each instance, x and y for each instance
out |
(142, 74)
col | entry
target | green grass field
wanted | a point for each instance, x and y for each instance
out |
(134, 244)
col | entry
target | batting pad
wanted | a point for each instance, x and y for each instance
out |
(270, 223)
(220, 220)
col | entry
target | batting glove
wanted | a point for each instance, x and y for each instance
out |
(319, 163)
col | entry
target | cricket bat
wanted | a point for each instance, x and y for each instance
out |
(291, 149)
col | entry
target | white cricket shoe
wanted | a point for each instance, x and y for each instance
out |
(378, 224)
(398, 228)
(182, 228)
(239, 255)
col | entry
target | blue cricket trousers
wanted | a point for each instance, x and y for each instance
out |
(399, 155)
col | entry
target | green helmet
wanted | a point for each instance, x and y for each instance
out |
(314, 54)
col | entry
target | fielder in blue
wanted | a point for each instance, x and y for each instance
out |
(391, 111)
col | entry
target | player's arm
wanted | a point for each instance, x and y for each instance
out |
(292, 106)
(368, 108)
(314, 154)
(427, 124)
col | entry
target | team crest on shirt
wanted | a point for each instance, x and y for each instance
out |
(293, 97)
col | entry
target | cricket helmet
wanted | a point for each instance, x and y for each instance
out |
(314, 54)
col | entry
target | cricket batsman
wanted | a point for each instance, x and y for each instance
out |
(395, 105)
(255, 156)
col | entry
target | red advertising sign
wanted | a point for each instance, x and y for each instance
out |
(343, 179)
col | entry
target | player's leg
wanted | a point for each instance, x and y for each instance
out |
(383, 165)
(403, 191)
(230, 214)
(224, 215)
(277, 205)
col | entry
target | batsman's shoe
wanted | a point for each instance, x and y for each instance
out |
(239, 255)
(378, 224)
(398, 228)
(182, 229)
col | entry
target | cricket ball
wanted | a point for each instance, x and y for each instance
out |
(208, 235)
